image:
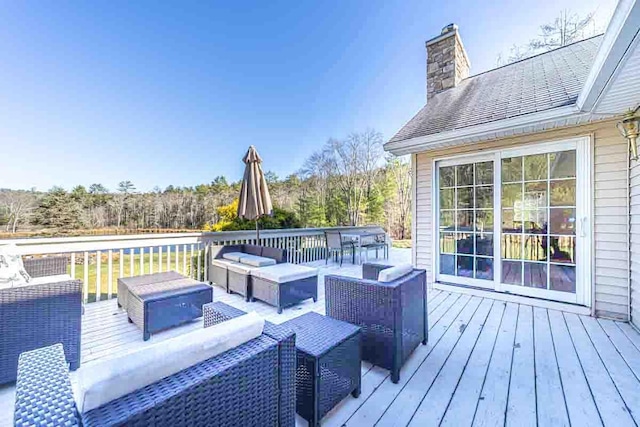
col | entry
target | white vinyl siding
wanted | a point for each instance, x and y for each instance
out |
(634, 192)
(610, 270)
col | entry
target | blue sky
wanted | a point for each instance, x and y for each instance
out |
(160, 93)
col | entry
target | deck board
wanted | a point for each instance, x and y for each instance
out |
(610, 405)
(579, 401)
(521, 409)
(550, 400)
(462, 405)
(487, 363)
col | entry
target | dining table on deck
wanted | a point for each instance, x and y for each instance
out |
(362, 239)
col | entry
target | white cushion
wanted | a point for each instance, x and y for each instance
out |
(282, 273)
(46, 279)
(12, 272)
(240, 268)
(233, 256)
(257, 261)
(223, 263)
(107, 380)
(393, 273)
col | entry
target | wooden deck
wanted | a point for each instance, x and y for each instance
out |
(487, 363)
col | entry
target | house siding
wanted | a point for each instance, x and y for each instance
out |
(634, 208)
(609, 174)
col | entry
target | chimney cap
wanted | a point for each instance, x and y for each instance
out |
(448, 31)
(449, 28)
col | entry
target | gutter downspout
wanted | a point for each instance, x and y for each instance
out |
(629, 238)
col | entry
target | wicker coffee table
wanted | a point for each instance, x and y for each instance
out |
(328, 363)
(155, 302)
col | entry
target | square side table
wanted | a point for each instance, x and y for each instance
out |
(328, 364)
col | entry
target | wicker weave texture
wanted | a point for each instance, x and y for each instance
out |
(218, 312)
(250, 385)
(157, 306)
(393, 316)
(328, 363)
(240, 283)
(43, 390)
(282, 295)
(48, 266)
(37, 316)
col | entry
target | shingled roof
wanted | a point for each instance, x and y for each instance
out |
(549, 80)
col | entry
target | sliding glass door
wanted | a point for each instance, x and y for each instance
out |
(517, 221)
(466, 225)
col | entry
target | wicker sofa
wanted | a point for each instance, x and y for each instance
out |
(252, 384)
(393, 315)
(237, 280)
(39, 315)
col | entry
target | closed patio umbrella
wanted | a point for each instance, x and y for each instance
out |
(255, 201)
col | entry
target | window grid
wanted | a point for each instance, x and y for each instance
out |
(455, 231)
(525, 236)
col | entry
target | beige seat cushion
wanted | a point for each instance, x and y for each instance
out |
(394, 273)
(107, 380)
(257, 261)
(282, 273)
(47, 279)
(233, 256)
(237, 267)
(223, 263)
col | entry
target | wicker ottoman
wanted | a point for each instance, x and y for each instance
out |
(285, 284)
(328, 363)
(142, 280)
(154, 307)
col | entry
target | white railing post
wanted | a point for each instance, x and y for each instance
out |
(110, 274)
(302, 245)
(121, 260)
(199, 261)
(184, 259)
(85, 284)
(206, 262)
(98, 274)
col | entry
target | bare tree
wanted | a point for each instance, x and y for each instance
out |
(18, 206)
(125, 188)
(566, 28)
(356, 161)
(400, 210)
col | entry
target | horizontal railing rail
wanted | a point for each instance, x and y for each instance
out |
(100, 260)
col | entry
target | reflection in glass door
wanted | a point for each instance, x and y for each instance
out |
(517, 221)
(538, 243)
(466, 223)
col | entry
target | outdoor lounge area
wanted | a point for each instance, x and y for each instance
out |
(486, 362)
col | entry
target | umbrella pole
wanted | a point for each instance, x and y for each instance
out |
(257, 233)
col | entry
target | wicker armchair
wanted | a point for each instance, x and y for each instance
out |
(393, 316)
(35, 316)
(253, 384)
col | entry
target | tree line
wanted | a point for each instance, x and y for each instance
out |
(348, 181)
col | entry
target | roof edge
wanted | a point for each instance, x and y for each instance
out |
(555, 117)
(621, 31)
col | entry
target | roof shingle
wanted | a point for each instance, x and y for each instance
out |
(549, 80)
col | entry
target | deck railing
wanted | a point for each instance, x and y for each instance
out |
(100, 260)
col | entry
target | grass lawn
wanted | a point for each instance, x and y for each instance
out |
(402, 244)
(149, 265)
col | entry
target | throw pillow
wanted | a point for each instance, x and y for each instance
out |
(12, 270)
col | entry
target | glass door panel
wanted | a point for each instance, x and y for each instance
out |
(466, 215)
(538, 206)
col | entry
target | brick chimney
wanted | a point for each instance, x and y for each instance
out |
(447, 61)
